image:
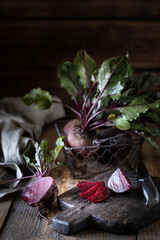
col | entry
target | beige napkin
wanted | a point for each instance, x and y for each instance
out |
(19, 124)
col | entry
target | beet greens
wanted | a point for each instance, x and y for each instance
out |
(108, 95)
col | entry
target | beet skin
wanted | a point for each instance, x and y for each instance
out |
(42, 191)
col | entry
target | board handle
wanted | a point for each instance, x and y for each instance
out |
(71, 221)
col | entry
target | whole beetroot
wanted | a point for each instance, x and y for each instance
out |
(42, 191)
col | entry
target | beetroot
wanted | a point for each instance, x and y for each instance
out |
(41, 191)
(118, 182)
(69, 125)
(78, 139)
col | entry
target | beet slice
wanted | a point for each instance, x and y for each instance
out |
(83, 186)
(42, 191)
(100, 195)
(90, 191)
(118, 182)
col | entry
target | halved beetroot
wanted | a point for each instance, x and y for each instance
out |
(118, 182)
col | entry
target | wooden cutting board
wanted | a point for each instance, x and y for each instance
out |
(120, 213)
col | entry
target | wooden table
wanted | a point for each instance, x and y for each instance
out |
(18, 221)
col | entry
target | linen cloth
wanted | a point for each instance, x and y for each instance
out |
(18, 124)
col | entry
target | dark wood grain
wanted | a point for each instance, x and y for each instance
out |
(18, 83)
(80, 9)
(22, 223)
(152, 231)
(41, 45)
(5, 204)
(120, 213)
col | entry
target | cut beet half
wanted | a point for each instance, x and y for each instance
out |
(118, 182)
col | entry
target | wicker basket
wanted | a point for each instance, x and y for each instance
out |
(103, 155)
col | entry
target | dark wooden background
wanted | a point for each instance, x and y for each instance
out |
(36, 35)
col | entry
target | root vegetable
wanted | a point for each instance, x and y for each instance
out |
(118, 182)
(41, 192)
(69, 125)
(78, 139)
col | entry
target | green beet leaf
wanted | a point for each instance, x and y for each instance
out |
(68, 77)
(152, 131)
(119, 122)
(113, 86)
(85, 67)
(40, 159)
(39, 97)
(135, 108)
(153, 144)
(29, 156)
(59, 145)
(122, 123)
(154, 116)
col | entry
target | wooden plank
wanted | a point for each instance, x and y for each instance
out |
(119, 213)
(150, 157)
(150, 232)
(18, 83)
(5, 204)
(44, 44)
(82, 9)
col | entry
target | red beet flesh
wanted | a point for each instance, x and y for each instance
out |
(94, 191)
(118, 182)
(84, 185)
(41, 191)
(90, 191)
(100, 195)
